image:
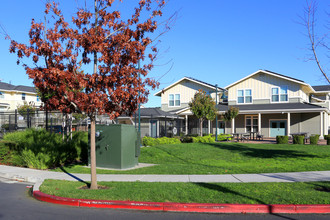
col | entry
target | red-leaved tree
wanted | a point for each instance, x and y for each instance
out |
(60, 52)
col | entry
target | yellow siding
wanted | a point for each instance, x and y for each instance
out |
(261, 85)
(186, 89)
(15, 98)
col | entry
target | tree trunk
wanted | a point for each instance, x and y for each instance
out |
(201, 127)
(93, 156)
(92, 138)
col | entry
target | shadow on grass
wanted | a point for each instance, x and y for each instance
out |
(262, 153)
(229, 191)
(75, 177)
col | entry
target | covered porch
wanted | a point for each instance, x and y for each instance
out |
(271, 120)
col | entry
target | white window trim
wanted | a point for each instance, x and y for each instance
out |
(244, 103)
(173, 106)
(251, 121)
(279, 94)
(23, 95)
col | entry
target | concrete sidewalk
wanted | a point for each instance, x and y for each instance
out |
(37, 176)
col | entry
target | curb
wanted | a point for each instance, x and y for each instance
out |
(183, 207)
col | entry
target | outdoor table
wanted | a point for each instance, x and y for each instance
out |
(236, 135)
(240, 135)
(253, 134)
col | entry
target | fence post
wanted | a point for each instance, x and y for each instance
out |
(16, 119)
(28, 118)
(46, 119)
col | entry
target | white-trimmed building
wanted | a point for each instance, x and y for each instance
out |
(269, 103)
(11, 96)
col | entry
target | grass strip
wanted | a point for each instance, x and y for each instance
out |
(233, 193)
(226, 158)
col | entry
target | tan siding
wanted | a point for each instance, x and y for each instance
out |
(261, 85)
(186, 89)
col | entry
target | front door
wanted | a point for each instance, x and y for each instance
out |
(221, 127)
(153, 128)
(277, 127)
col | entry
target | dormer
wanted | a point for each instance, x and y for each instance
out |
(267, 87)
(177, 95)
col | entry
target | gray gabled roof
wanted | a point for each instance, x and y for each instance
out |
(9, 87)
(322, 88)
(273, 107)
(192, 80)
(152, 113)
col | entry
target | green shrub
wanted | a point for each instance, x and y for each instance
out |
(298, 139)
(314, 139)
(280, 139)
(223, 137)
(327, 137)
(204, 139)
(5, 126)
(149, 141)
(41, 149)
(5, 154)
(187, 139)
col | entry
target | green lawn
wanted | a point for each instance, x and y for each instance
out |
(226, 158)
(239, 193)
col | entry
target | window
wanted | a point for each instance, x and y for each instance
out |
(280, 94)
(244, 96)
(23, 96)
(251, 123)
(174, 100)
(284, 94)
(2, 95)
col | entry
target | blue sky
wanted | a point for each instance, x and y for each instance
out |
(216, 41)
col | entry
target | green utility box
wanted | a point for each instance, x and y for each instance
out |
(117, 146)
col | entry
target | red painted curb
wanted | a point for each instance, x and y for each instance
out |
(184, 207)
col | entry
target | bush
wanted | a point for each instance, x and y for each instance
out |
(314, 139)
(223, 137)
(298, 139)
(327, 137)
(187, 139)
(282, 139)
(149, 141)
(42, 150)
(204, 139)
(5, 126)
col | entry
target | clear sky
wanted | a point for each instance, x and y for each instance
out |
(216, 41)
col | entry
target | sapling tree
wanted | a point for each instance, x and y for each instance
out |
(203, 107)
(101, 38)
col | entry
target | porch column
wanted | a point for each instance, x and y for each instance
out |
(186, 124)
(289, 124)
(259, 123)
(233, 125)
(321, 124)
(326, 123)
(209, 127)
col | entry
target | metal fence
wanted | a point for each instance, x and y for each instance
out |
(53, 121)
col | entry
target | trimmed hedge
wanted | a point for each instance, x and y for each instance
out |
(314, 139)
(282, 139)
(298, 139)
(149, 141)
(204, 139)
(327, 137)
(223, 137)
